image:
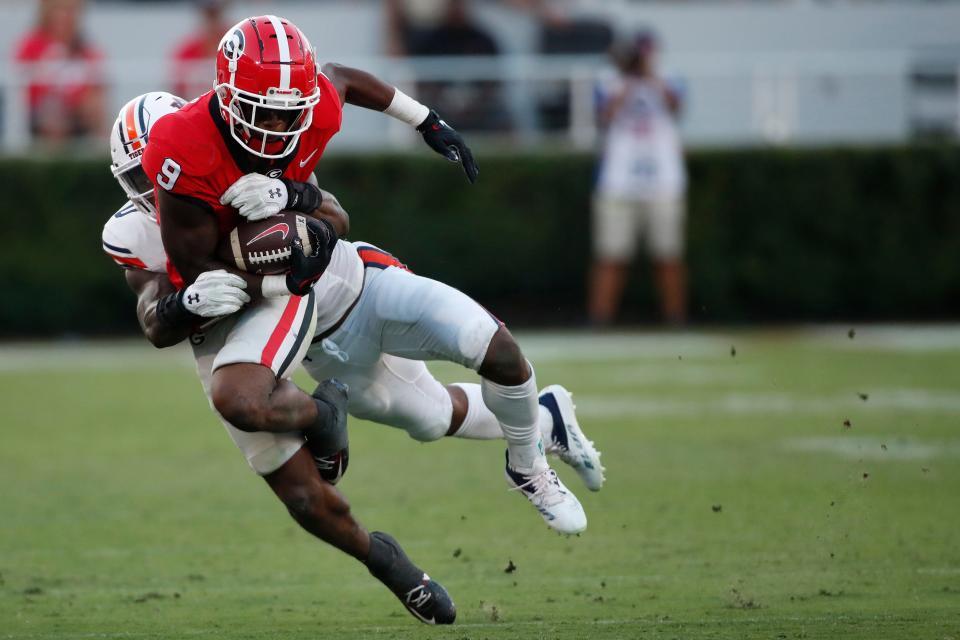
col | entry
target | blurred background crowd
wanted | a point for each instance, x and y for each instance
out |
(636, 85)
(518, 71)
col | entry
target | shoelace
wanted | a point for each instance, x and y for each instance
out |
(546, 488)
(564, 451)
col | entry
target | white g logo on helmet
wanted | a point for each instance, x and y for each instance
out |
(232, 44)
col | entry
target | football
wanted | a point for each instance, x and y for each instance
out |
(263, 246)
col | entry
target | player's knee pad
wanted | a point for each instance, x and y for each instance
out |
(474, 336)
(428, 430)
(423, 419)
(405, 395)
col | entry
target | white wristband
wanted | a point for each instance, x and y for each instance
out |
(406, 109)
(274, 287)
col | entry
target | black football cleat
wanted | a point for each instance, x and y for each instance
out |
(424, 598)
(429, 602)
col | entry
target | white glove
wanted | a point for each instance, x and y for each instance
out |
(256, 196)
(215, 293)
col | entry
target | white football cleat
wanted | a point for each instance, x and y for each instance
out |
(567, 440)
(557, 505)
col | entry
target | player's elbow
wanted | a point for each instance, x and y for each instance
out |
(341, 223)
(159, 338)
(331, 70)
(159, 335)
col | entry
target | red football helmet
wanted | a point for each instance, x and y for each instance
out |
(266, 64)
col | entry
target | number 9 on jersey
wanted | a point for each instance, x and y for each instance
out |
(169, 172)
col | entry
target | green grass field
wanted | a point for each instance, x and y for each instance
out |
(738, 504)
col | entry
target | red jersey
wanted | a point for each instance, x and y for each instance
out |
(192, 155)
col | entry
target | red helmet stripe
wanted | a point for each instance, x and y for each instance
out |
(284, 50)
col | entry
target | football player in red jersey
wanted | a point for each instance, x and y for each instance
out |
(384, 388)
(248, 148)
(131, 239)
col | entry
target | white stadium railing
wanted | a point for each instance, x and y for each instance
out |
(731, 99)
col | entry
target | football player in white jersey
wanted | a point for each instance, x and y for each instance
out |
(384, 388)
(640, 186)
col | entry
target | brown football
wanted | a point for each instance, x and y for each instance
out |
(263, 246)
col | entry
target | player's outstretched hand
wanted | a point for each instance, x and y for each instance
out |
(215, 293)
(255, 196)
(307, 269)
(445, 140)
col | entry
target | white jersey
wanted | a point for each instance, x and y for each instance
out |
(339, 286)
(398, 313)
(132, 239)
(642, 157)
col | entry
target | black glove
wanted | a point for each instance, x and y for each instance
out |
(306, 270)
(443, 139)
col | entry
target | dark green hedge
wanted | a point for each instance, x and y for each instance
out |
(773, 235)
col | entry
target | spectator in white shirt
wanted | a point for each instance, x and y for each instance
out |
(640, 186)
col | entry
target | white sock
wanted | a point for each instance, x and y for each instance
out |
(481, 424)
(517, 410)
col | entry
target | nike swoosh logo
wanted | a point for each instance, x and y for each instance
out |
(304, 162)
(282, 228)
(421, 617)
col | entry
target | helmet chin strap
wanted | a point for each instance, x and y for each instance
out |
(227, 113)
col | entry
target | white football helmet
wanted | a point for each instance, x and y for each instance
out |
(128, 140)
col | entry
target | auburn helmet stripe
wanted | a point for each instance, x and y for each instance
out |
(129, 119)
(133, 129)
(128, 139)
(131, 124)
(141, 112)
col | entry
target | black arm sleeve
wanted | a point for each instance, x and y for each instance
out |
(171, 312)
